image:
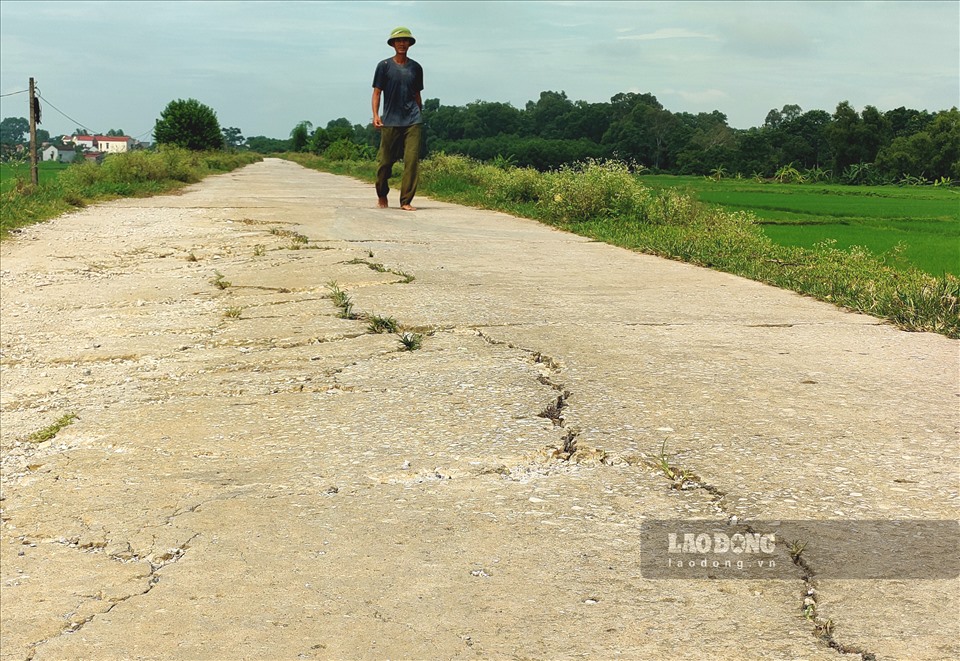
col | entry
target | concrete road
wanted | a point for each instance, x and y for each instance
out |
(250, 476)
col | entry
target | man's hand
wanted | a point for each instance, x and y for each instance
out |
(375, 103)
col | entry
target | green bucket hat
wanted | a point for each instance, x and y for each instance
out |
(401, 33)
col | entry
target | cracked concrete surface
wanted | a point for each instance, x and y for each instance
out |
(285, 485)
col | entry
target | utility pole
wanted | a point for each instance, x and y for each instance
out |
(34, 174)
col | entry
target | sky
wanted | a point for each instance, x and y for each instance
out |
(265, 66)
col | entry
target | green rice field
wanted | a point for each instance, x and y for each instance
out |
(924, 221)
(47, 171)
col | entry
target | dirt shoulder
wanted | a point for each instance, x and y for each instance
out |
(251, 476)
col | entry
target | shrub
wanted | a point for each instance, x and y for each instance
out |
(346, 150)
(134, 166)
(180, 164)
(80, 176)
(594, 189)
(519, 185)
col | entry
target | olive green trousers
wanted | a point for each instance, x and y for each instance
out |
(398, 142)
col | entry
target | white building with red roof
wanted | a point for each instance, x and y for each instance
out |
(107, 144)
(113, 144)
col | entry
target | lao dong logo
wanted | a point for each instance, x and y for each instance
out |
(718, 542)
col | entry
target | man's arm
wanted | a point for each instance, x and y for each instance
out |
(418, 100)
(375, 102)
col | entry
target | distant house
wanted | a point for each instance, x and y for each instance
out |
(108, 144)
(87, 142)
(59, 154)
(113, 144)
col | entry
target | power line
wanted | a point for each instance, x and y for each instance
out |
(12, 93)
(80, 124)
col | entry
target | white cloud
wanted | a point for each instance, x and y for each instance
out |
(668, 33)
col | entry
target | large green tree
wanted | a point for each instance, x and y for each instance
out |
(264, 145)
(854, 138)
(13, 130)
(188, 124)
(931, 153)
(232, 137)
(300, 136)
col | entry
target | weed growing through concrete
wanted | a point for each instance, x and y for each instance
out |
(796, 550)
(232, 312)
(341, 300)
(296, 237)
(192, 258)
(410, 341)
(259, 250)
(346, 310)
(380, 268)
(680, 477)
(378, 324)
(50, 431)
(337, 295)
(663, 463)
(374, 266)
(218, 281)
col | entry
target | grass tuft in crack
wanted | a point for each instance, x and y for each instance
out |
(218, 281)
(410, 341)
(50, 431)
(679, 476)
(232, 312)
(380, 268)
(297, 238)
(378, 324)
(374, 266)
(796, 551)
(341, 300)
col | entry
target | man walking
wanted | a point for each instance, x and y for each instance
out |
(399, 80)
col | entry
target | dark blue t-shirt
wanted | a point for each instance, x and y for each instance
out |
(399, 85)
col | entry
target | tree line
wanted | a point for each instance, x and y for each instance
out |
(897, 146)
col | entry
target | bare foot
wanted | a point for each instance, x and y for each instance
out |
(407, 207)
(382, 202)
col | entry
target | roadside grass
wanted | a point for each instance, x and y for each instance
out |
(606, 202)
(133, 174)
(924, 219)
